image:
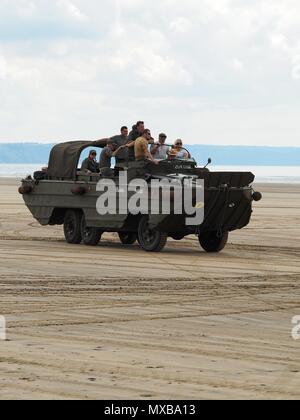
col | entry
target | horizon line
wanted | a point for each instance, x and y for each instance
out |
(187, 144)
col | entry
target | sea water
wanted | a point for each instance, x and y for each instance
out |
(269, 174)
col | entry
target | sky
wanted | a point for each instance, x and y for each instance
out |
(211, 72)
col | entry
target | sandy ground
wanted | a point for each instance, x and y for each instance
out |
(116, 322)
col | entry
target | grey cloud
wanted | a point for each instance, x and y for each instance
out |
(73, 64)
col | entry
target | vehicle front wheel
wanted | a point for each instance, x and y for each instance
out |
(127, 238)
(91, 236)
(151, 240)
(212, 241)
(72, 226)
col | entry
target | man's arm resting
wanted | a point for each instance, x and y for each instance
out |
(154, 149)
(130, 144)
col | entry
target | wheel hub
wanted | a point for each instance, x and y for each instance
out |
(86, 232)
(70, 227)
(148, 235)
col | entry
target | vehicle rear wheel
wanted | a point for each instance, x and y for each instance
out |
(90, 236)
(212, 241)
(127, 238)
(151, 240)
(72, 226)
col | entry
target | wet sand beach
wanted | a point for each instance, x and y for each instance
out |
(113, 322)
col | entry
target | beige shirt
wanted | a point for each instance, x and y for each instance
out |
(141, 148)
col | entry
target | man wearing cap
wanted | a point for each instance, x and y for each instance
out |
(159, 150)
(90, 164)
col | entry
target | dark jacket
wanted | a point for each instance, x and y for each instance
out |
(133, 135)
(90, 165)
(120, 141)
(105, 157)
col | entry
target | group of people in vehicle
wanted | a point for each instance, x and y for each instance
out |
(134, 146)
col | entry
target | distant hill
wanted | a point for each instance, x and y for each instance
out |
(247, 155)
(24, 152)
(31, 153)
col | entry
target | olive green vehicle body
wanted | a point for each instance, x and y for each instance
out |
(228, 195)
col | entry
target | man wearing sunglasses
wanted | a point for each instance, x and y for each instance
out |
(178, 152)
(141, 150)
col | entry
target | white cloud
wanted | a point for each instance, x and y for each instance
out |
(180, 25)
(237, 64)
(26, 9)
(72, 10)
(80, 67)
(278, 40)
(296, 67)
(27, 76)
(159, 69)
(3, 68)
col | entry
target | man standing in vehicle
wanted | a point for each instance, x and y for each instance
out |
(141, 150)
(159, 150)
(138, 131)
(119, 142)
(107, 154)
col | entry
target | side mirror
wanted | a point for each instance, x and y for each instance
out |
(208, 163)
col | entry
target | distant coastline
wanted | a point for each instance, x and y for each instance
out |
(32, 153)
(263, 174)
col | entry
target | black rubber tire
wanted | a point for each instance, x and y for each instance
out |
(127, 238)
(72, 226)
(212, 242)
(151, 240)
(90, 236)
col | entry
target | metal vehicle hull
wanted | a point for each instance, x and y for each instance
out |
(228, 205)
(63, 195)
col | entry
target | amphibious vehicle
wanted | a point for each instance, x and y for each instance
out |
(63, 195)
